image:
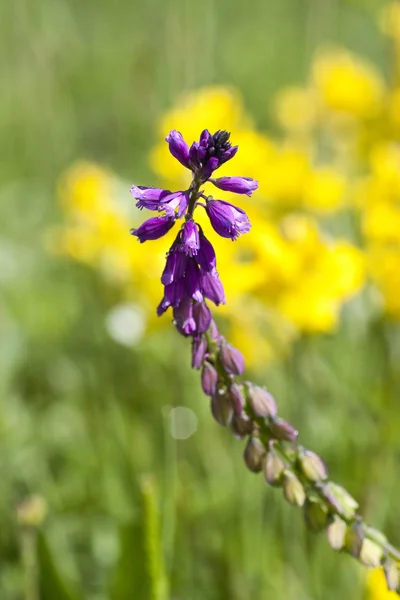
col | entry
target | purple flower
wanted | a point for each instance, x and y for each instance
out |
(206, 255)
(227, 220)
(175, 201)
(175, 266)
(153, 228)
(209, 379)
(183, 317)
(178, 147)
(231, 358)
(174, 293)
(199, 351)
(193, 281)
(202, 317)
(148, 197)
(238, 185)
(212, 288)
(190, 242)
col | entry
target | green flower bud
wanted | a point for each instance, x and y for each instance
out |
(261, 402)
(273, 468)
(391, 574)
(293, 489)
(254, 454)
(355, 539)
(336, 533)
(371, 554)
(315, 515)
(221, 408)
(313, 466)
(340, 500)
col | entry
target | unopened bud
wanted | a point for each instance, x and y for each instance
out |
(199, 349)
(213, 331)
(354, 539)
(209, 379)
(315, 515)
(231, 358)
(340, 500)
(273, 468)
(254, 454)
(293, 489)
(32, 511)
(221, 408)
(391, 574)
(282, 430)
(313, 466)
(261, 402)
(241, 425)
(371, 554)
(336, 533)
(237, 399)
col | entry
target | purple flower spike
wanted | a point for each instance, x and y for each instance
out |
(178, 147)
(183, 317)
(206, 255)
(202, 317)
(212, 288)
(153, 229)
(190, 241)
(227, 220)
(148, 197)
(238, 185)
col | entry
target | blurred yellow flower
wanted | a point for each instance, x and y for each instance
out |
(296, 109)
(390, 20)
(325, 189)
(347, 84)
(377, 588)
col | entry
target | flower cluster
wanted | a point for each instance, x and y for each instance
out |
(190, 275)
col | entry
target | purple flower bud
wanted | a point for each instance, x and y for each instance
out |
(202, 317)
(235, 392)
(148, 197)
(214, 333)
(175, 266)
(273, 468)
(193, 281)
(206, 258)
(221, 408)
(172, 202)
(190, 241)
(228, 220)
(261, 401)
(212, 288)
(183, 317)
(231, 358)
(178, 147)
(228, 154)
(209, 379)
(199, 350)
(209, 167)
(238, 185)
(282, 430)
(254, 454)
(194, 155)
(173, 295)
(153, 228)
(241, 425)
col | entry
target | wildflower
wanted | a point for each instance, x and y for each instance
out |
(209, 379)
(178, 147)
(231, 359)
(227, 220)
(153, 228)
(148, 197)
(190, 238)
(238, 185)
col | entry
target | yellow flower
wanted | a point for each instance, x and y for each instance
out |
(296, 109)
(347, 84)
(384, 263)
(377, 588)
(390, 20)
(325, 189)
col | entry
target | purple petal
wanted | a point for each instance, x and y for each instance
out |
(153, 228)
(175, 266)
(190, 241)
(230, 153)
(231, 359)
(148, 197)
(183, 317)
(209, 167)
(173, 201)
(199, 349)
(192, 277)
(212, 288)
(238, 185)
(174, 293)
(194, 156)
(178, 147)
(227, 220)
(202, 317)
(206, 258)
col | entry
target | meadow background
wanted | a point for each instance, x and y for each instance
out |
(106, 491)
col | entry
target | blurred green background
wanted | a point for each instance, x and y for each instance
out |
(85, 422)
